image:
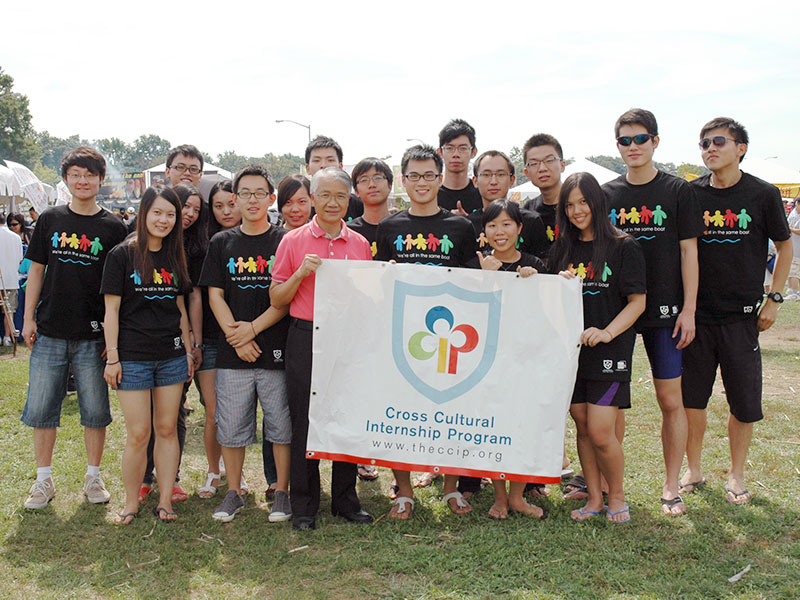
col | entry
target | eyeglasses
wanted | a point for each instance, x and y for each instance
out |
(462, 149)
(376, 179)
(429, 176)
(718, 140)
(246, 194)
(180, 168)
(500, 175)
(549, 162)
(328, 196)
(642, 138)
(84, 176)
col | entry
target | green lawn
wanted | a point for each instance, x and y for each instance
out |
(72, 550)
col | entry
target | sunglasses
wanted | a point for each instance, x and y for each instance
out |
(718, 140)
(640, 139)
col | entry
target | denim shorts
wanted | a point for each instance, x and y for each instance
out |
(209, 356)
(48, 374)
(149, 374)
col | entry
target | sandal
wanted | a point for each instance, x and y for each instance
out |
(178, 493)
(367, 473)
(668, 505)
(585, 515)
(576, 488)
(404, 505)
(742, 497)
(209, 489)
(145, 491)
(691, 487)
(394, 489)
(425, 480)
(462, 506)
(164, 515)
(122, 518)
(611, 514)
(536, 489)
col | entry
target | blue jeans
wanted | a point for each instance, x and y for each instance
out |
(48, 374)
(149, 374)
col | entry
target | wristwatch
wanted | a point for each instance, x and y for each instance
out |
(775, 297)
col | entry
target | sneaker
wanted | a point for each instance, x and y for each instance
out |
(41, 493)
(231, 505)
(6, 341)
(95, 490)
(282, 509)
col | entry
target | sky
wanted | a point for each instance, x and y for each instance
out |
(373, 75)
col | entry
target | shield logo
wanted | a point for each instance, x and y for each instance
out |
(607, 364)
(277, 354)
(664, 310)
(444, 337)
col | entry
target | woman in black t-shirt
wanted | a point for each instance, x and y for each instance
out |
(148, 342)
(612, 267)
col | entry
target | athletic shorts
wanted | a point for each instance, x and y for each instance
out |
(602, 393)
(665, 358)
(238, 390)
(149, 374)
(47, 382)
(734, 348)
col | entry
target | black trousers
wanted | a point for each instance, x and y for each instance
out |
(305, 482)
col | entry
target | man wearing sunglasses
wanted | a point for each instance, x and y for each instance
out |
(430, 235)
(740, 214)
(660, 210)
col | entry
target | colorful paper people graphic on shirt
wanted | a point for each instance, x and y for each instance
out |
(744, 219)
(659, 215)
(646, 214)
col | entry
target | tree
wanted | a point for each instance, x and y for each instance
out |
(614, 163)
(16, 132)
(519, 165)
(148, 151)
(117, 152)
(54, 148)
(47, 175)
(697, 170)
(278, 166)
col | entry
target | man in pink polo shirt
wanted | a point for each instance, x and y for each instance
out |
(299, 255)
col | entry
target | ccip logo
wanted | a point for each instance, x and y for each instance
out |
(444, 347)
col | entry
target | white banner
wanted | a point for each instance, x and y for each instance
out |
(30, 186)
(444, 370)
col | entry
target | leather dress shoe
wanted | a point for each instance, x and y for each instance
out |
(303, 523)
(360, 516)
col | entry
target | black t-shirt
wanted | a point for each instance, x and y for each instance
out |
(368, 230)
(525, 260)
(732, 250)
(469, 197)
(149, 318)
(605, 294)
(532, 239)
(443, 239)
(241, 266)
(73, 247)
(659, 214)
(547, 212)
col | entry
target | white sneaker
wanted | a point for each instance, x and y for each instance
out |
(95, 490)
(7, 341)
(41, 493)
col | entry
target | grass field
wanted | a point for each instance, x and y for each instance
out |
(72, 550)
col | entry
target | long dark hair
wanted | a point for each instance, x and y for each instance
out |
(605, 234)
(172, 244)
(195, 240)
(223, 185)
(24, 230)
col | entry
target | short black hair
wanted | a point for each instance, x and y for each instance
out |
(88, 158)
(186, 150)
(372, 163)
(496, 207)
(421, 152)
(257, 170)
(637, 116)
(738, 132)
(541, 139)
(288, 187)
(322, 141)
(454, 129)
(476, 165)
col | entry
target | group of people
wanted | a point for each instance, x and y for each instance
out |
(211, 290)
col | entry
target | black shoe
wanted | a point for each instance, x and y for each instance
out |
(360, 516)
(303, 523)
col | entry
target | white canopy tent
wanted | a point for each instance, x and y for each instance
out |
(527, 190)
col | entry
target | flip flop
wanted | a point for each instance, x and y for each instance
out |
(122, 518)
(163, 514)
(425, 480)
(611, 514)
(668, 504)
(691, 487)
(536, 490)
(576, 488)
(144, 492)
(404, 504)
(460, 502)
(367, 473)
(739, 498)
(179, 494)
(394, 489)
(582, 511)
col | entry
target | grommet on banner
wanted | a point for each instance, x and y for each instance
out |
(310, 454)
(316, 327)
(435, 469)
(313, 393)
(502, 475)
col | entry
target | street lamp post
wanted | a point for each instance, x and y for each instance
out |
(308, 127)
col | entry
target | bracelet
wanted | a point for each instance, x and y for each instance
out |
(116, 362)
(253, 328)
(190, 355)
(114, 348)
(197, 345)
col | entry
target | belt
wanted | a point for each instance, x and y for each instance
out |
(302, 324)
